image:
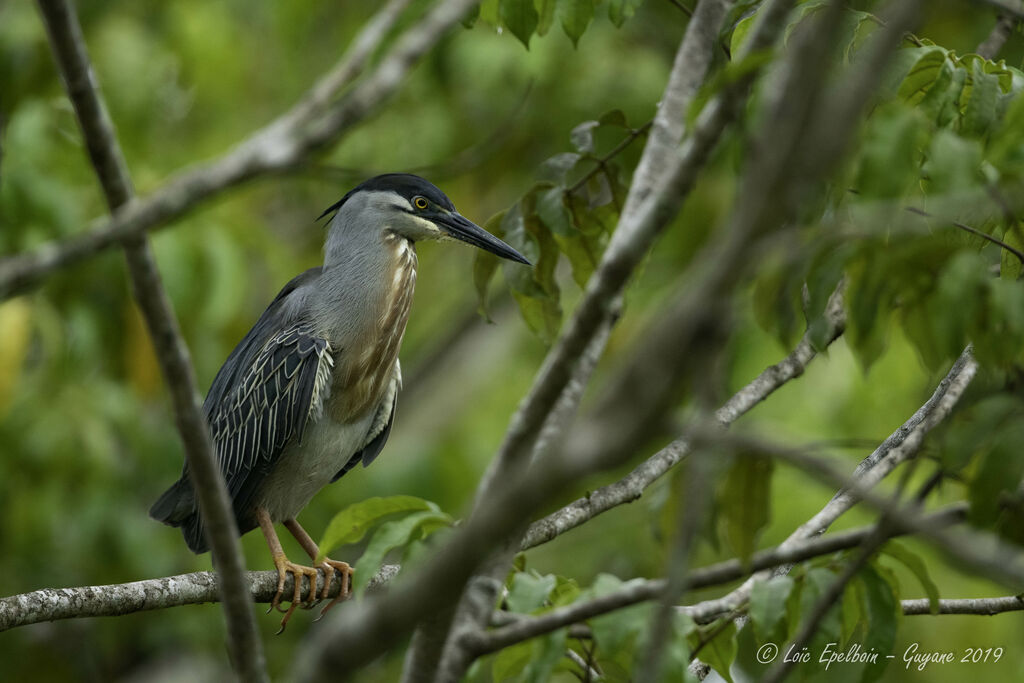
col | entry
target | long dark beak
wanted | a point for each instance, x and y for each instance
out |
(465, 230)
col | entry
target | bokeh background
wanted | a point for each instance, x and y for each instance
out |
(87, 439)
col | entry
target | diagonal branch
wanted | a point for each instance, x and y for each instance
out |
(632, 486)
(315, 122)
(896, 449)
(68, 45)
(632, 238)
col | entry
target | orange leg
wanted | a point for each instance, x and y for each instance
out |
(328, 565)
(284, 565)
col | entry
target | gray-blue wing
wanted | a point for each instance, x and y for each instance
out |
(275, 397)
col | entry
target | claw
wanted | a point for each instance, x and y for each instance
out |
(330, 566)
(284, 565)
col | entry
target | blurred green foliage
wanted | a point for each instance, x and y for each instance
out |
(86, 430)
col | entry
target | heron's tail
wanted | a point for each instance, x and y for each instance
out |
(177, 507)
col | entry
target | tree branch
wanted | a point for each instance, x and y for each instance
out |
(980, 606)
(897, 448)
(68, 46)
(990, 47)
(525, 628)
(312, 124)
(51, 604)
(632, 486)
(632, 238)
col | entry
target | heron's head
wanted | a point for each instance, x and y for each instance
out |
(415, 209)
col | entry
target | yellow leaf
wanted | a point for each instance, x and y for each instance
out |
(15, 331)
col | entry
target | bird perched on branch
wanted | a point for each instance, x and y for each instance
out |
(310, 391)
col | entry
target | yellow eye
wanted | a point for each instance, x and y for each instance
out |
(420, 203)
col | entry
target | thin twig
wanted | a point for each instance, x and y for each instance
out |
(68, 45)
(601, 163)
(682, 8)
(974, 231)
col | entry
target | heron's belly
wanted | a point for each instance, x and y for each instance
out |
(303, 470)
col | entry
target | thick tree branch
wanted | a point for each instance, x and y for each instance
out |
(68, 45)
(476, 604)
(315, 122)
(639, 224)
(196, 588)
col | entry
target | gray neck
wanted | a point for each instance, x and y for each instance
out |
(357, 273)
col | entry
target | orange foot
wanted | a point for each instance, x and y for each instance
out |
(284, 566)
(330, 566)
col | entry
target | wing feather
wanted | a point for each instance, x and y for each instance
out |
(277, 396)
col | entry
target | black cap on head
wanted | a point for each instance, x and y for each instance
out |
(405, 184)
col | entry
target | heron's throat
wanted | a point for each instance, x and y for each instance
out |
(362, 376)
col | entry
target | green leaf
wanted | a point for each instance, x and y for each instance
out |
(489, 12)
(746, 503)
(941, 101)
(853, 610)
(890, 156)
(575, 16)
(998, 473)
(565, 593)
(621, 11)
(824, 276)
(547, 653)
(529, 591)
(546, 13)
(720, 652)
(615, 631)
(391, 535)
(926, 65)
(916, 565)
(816, 584)
(557, 167)
(352, 523)
(485, 264)
(552, 211)
(510, 663)
(768, 608)
(520, 17)
(883, 612)
(982, 102)
(953, 163)
(615, 117)
(582, 136)
(538, 303)
(740, 33)
(958, 301)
